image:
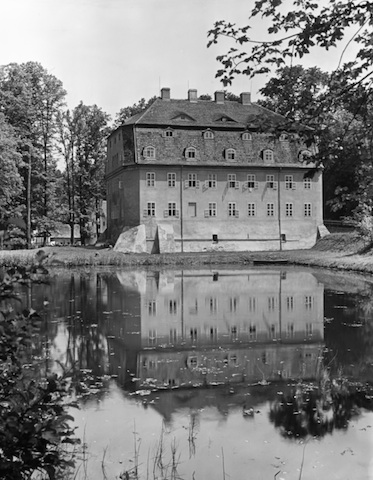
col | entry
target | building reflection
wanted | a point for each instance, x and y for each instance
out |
(193, 328)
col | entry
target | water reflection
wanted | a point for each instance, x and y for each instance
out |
(250, 350)
(195, 328)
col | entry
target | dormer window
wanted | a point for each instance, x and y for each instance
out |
(149, 152)
(304, 155)
(190, 153)
(247, 136)
(168, 133)
(230, 154)
(268, 155)
(284, 137)
(208, 135)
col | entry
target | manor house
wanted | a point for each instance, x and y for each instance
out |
(200, 175)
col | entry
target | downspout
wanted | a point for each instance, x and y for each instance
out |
(279, 207)
(181, 209)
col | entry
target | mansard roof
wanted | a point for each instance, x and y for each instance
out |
(210, 114)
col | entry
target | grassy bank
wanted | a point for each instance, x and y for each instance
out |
(345, 251)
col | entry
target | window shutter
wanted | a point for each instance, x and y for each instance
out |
(237, 185)
(145, 212)
(186, 183)
(165, 213)
(275, 185)
(294, 186)
(207, 213)
(256, 185)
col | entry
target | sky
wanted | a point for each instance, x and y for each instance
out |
(112, 53)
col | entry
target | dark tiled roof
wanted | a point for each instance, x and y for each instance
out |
(208, 113)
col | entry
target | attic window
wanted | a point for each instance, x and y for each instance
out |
(190, 153)
(304, 155)
(284, 137)
(225, 119)
(168, 133)
(247, 136)
(208, 134)
(268, 156)
(230, 154)
(149, 152)
(183, 116)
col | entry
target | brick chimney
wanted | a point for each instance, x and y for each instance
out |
(219, 97)
(165, 94)
(192, 95)
(245, 98)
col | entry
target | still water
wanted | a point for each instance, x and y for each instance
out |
(231, 374)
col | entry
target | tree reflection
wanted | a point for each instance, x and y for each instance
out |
(315, 410)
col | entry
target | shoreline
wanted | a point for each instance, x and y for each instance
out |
(340, 251)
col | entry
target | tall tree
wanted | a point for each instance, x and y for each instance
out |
(10, 178)
(82, 144)
(30, 99)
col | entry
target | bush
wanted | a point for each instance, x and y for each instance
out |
(34, 424)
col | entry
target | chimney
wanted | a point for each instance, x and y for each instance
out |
(245, 98)
(192, 95)
(165, 94)
(219, 97)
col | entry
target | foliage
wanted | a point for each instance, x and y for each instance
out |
(127, 112)
(30, 99)
(34, 424)
(10, 161)
(295, 27)
(309, 410)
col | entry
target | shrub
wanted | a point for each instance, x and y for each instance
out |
(34, 424)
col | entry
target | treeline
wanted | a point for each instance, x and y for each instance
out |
(36, 133)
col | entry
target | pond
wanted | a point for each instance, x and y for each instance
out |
(255, 373)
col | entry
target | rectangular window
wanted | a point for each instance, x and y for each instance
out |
(251, 181)
(232, 209)
(270, 209)
(270, 179)
(271, 303)
(152, 307)
(251, 209)
(307, 210)
(308, 302)
(289, 303)
(211, 180)
(211, 212)
(171, 209)
(252, 304)
(289, 183)
(232, 180)
(192, 209)
(309, 329)
(233, 303)
(192, 180)
(150, 209)
(290, 330)
(212, 303)
(150, 179)
(288, 210)
(252, 332)
(171, 180)
(172, 307)
(307, 183)
(152, 337)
